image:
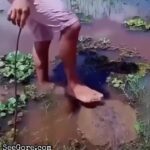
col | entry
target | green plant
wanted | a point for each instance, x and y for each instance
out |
(9, 107)
(93, 44)
(131, 84)
(7, 138)
(137, 23)
(25, 67)
(116, 82)
(85, 19)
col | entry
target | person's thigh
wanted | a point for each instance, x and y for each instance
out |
(39, 31)
(53, 14)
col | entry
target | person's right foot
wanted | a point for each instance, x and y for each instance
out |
(84, 93)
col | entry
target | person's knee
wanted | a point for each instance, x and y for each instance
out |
(73, 30)
(76, 26)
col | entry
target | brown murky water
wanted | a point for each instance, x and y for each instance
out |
(101, 28)
(110, 124)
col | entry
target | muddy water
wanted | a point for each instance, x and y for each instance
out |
(112, 123)
(58, 124)
(109, 16)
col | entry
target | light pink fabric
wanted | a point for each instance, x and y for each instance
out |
(47, 15)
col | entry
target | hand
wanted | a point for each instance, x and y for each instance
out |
(19, 12)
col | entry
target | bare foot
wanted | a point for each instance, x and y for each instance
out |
(84, 93)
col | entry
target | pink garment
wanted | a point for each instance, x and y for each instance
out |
(47, 15)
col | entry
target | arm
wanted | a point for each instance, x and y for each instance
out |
(19, 12)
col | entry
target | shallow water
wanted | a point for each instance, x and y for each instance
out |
(61, 123)
(104, 25)
(111, 124)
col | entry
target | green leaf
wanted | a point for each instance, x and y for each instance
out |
(116, 85)
(2, 63)
(23, 98)
(137, 127)
(22, 67)
(12, 100)
(25, 66)
(2, 107)
(11, 112)
(2, 114)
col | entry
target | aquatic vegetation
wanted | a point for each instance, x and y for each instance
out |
(141, 129)
(72, 145)
(85, 43)
(8, 108)
(134, 87)
(25, 67)
(31, 91)
(127, 53)
(137, 23)
(47, 99)
(7, 138)
(139, 144)
(130, 84)
(84, 19)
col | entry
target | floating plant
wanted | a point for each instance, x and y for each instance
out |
(137, 23)
(25, 67)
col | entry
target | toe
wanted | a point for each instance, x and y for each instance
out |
(97, 97)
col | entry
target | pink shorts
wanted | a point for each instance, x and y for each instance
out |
(47, 15)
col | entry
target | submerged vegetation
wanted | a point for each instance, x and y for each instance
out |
(134, 85)
(88, 43)
(131, 84)
(137, 23)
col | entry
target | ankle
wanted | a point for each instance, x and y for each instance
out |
(73, 82)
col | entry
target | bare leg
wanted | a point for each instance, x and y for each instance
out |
(68, 43)
(40, 56)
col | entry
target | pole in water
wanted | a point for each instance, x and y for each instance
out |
(16, 87)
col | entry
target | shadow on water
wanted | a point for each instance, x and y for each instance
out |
(93, 70)
(110, 123)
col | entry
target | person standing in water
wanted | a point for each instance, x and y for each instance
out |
(42, 17)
